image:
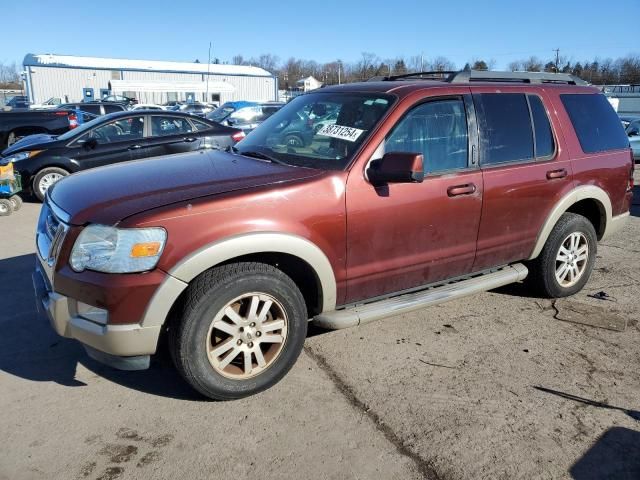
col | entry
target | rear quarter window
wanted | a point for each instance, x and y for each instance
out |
(596, 124)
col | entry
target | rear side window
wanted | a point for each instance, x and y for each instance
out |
(541, 127)
(595, 122)
(505, 127)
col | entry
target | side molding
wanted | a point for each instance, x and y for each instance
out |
(574, 196)
(245, 244)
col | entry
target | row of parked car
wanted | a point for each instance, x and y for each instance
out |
(47, 145)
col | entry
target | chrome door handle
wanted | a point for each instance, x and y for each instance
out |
(457, 190)
(189, 139)
(135, 147)
(560, 173)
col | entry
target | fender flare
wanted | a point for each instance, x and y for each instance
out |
(228, 248)
(580, 193)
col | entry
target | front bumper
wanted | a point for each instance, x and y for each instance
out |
(131, 340)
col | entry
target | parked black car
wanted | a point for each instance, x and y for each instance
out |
(128, 101)
(195, 108)
(43, 159)
(15, 124)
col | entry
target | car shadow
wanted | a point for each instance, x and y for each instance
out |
(30, 349)
(616, 454)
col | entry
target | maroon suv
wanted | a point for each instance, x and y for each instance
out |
(412, 191)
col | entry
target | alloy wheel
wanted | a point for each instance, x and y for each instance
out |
(572, 258)
(247, 335)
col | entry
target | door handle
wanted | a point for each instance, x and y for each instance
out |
(135, 147)
(561, 173)
(189, 139)
(456, 190)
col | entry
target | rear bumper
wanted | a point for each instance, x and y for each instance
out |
(130, 340)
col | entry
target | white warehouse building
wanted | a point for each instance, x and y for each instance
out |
(74, 79)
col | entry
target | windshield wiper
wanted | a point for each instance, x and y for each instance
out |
(260, 155)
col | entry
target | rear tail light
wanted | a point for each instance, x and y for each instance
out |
(236, 137)
(73, 121)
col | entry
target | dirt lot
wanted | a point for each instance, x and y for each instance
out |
(499, 385)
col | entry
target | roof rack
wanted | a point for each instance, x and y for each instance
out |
(467, 76)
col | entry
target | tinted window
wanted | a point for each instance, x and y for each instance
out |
(113, 108)
(505, 127)
(595, 122)
(119, 130)
(438, 130)
(95, 109)
(163, 126)
(201, 125)
(541, 127)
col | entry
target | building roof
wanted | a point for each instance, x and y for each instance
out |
(99, 63)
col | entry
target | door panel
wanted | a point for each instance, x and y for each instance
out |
(402, 236)
(408, 235)
(169, 135)
(520, 193)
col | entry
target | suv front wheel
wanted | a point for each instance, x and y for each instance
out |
(240, 331)
(566, 261)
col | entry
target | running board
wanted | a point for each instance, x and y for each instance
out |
(361, 314)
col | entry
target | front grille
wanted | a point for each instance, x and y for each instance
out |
(50, 234)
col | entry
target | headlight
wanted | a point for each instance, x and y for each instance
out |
(16, 157)
(117, 250)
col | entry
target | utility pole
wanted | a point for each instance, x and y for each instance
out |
(557, 50)
(339, 64)
(421, 61)
(206, 99)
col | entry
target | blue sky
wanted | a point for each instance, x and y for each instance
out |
(322, 30)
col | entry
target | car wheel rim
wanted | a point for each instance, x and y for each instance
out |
(247, 336)
(47, 180)
(571, 260)
(4, 208)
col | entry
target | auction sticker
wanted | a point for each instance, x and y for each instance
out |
(349, 134)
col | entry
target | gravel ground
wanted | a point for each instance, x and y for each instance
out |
(499, 385)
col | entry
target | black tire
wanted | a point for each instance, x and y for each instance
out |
(42, 174)
(293, 140)
(16, 200)
(6, 207)
(208, 295)
(542, 270)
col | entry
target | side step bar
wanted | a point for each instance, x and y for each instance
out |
(361, 314)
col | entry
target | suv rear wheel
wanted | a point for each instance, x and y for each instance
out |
(566, 261)
(240, 331)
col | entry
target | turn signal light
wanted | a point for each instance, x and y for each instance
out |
(147, 249)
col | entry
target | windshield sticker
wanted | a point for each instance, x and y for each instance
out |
(349, 134)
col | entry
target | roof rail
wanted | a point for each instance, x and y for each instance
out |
(432, 75)
(467, 76)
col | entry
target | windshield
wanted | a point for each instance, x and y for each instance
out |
(318, 130)
(220, 113)
(81, 129)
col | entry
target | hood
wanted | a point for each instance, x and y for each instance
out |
(39, 141)
(110, 194)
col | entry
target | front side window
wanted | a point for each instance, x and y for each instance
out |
(293, 134)
(437, 130)
(505, 127)
(161, 126)
(121, 130)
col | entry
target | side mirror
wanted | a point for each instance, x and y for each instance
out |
(89, 144)
(397, 167)
(633, 132)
